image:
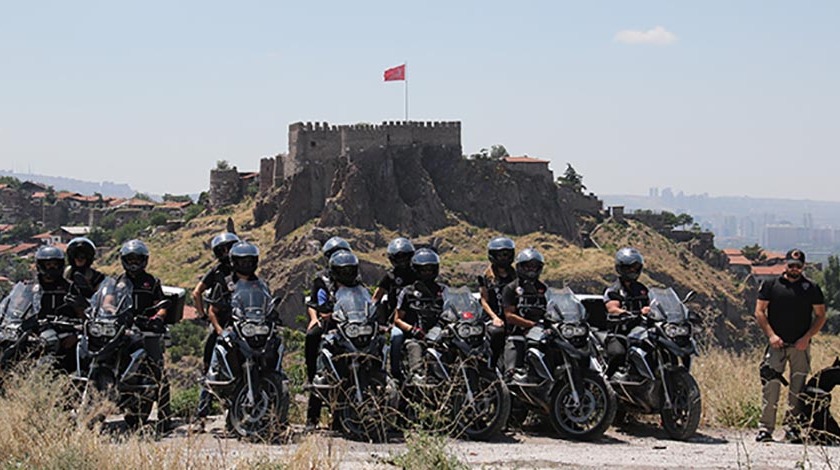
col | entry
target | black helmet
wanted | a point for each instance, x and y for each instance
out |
(426, 263)
(221, 246)
(400, 251)
(344, 268)
(334, 244)
(244, 258)
(43, 256)
(629, 263)
(83, 248)
(134, 256)
(529, 264)
(500, 251)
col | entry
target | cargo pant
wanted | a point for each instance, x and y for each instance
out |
(800, 367)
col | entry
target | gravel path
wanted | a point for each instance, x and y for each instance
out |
(635, 447)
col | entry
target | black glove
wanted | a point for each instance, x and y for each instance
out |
(156, 325)
(77, 301)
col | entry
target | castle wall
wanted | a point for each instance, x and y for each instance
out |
(225, 187)
(267, 173)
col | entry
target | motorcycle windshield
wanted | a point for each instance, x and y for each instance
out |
(251, 300)
(351, 304)
(668, 304)
(461, 301)
(564, 303)
(23, 302)
(112, 298)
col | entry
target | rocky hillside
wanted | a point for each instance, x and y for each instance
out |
(418, 190)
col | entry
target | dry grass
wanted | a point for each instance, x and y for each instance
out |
(731, 389)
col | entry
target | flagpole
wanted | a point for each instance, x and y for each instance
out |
(406, 91)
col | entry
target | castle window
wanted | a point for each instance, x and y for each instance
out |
(312, 144)
(388, 138)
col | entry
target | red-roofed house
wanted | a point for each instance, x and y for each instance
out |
(5, 248)
(766, 273)
(174, 208)
(530, 165)
(141, 204)
(46, 238)
(24, 249)
(5, 280)
(6, 227)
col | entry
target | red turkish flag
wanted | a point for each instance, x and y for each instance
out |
(395, 73)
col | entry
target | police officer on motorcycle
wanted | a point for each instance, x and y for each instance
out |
(343, 272)
(84, 280)
(146, 293)
(215, 281)
(524, 304)
(500, 252)
(49, 261)
(419, 307)
(626, 296)
(400, 252)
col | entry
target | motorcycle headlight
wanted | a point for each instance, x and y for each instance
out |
(248, 330)
(468, 331)
(674, 330)
(263, 329)
(95, 329)
(366, 330)
(573, 331)
(352, 330)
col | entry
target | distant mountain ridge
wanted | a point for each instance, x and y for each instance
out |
(106, 188)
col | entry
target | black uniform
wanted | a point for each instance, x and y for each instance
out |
(82, 287)
(791, 305)
(220, 282)
(632, 296)
(495, 284)
(528, 298)
(392, 283)
(146, 292)
(322, 297)
(421, 305)
(52, 298)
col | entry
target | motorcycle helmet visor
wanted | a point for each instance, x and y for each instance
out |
(630, 271)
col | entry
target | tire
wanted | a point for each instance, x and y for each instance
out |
(682, 419)
(266, 416)
(489, 411)
(366, 421)
(100, 384)
(595, 413)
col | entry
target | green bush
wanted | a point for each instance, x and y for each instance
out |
(184, 402)
(193, 211)
(187, 340)
(158, 218)
(428, 451)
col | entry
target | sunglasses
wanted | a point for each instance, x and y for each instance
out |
(795, 264)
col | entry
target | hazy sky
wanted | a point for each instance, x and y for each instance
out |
(725, 97)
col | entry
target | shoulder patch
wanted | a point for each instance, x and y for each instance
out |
(806, 285)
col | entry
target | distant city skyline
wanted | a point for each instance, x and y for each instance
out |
(729, 98)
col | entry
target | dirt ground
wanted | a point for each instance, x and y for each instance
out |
(636, 446)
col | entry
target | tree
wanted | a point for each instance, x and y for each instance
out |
(684, 219)
(831, 282)
(571, 179)
(177, 198)
(754, 253)
(498, 152)
(222, 165)
(144, 197)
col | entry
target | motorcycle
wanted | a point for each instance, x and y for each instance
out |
(460, 379)
(351, 376)
(246, 369)
(656, 377)
(563, 378)
(112, 341)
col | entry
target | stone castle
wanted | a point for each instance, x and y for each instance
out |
(320, 143)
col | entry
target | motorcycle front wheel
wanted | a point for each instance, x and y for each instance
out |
(681, 420)
(266, 414)
(591, 416)
(363, 413)
(484, 415)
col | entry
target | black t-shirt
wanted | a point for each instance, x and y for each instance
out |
(421, 304)
(393, 282)
(217, 277)
(495, 284)
(146, 292)
(52, 297)
(791, 304)
(632, 297)
(527, 297)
